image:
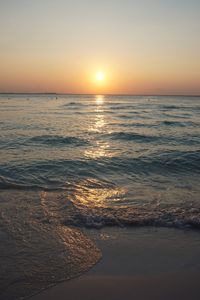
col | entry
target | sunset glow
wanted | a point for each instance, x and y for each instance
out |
(100, 76)
(141, 47)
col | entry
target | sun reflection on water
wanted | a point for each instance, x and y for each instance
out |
(99, 124)
(93, 193)
(99, 99)
(100, 145)
(101, 149)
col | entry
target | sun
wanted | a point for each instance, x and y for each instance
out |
(100, 76)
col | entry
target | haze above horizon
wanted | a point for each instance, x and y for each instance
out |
(100, 47)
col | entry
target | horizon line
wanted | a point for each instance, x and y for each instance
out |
(95, 94)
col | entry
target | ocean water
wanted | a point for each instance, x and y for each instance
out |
(70, 162)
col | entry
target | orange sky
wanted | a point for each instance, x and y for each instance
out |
(143, 47)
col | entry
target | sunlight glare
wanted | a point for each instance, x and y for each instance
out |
(100, 76)
(99, 99)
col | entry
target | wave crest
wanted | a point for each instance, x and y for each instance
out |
(58, 140)
(134, 216)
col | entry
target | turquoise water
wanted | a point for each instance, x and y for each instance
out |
(70, 162)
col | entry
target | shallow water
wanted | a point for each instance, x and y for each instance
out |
(92, 161)
(36, 250)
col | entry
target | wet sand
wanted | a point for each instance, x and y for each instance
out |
(183, 286)
(134, 268)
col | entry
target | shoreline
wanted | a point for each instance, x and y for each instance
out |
(135, 270)
(173, 286)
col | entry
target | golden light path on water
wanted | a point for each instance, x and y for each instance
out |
(99, 99)
(101, 148)
(90, 192)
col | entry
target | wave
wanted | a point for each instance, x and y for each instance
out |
(128, 136)
(157, 124)
(172, 162)
(73, 104)
(166, 107)
(98, 217)
(120, 106)
(148, 125)
(47, 140)
(143, 138)
(175, 123)
(180, 107)
(8, 184)
(178, 116)
(52, 174)
(81, 210)
(58, 140)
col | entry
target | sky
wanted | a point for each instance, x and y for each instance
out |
(141, 47)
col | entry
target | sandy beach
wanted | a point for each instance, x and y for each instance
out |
(181, 286)
(159, 271)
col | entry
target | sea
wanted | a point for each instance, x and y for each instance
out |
(74, 163)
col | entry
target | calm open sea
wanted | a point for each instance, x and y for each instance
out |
(93, 161)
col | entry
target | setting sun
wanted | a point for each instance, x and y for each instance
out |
(100, 76)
